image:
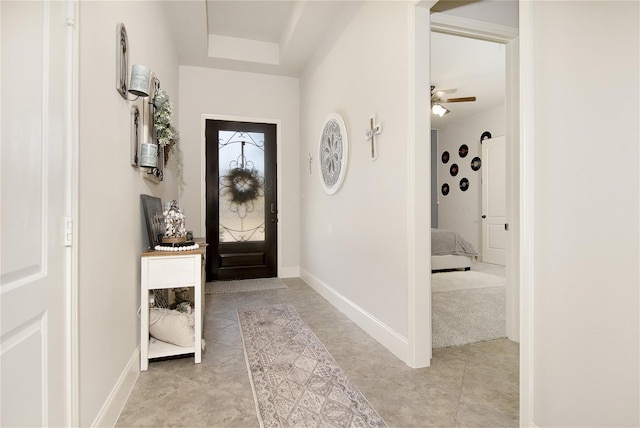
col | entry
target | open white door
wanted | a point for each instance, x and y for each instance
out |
(34, 346)
(494, 235)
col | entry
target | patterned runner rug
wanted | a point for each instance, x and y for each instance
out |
(296, 382)
(225, 287)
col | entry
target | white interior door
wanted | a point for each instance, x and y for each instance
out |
(34, 298)
(494, 235)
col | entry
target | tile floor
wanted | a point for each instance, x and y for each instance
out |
(469, 386)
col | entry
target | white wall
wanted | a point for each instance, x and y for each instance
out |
(586, 223)
(354, 243)
(460, 211)
(251, 96)
(111, 228)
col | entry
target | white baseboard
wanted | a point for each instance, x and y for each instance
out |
(389, 338)
(119, 395)
(289, 272)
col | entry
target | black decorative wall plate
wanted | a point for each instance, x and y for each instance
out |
(445, 157)
(445, 189)
(463, 151)
(464, 184)
(485, 136)
(453, 170)
(476, 163)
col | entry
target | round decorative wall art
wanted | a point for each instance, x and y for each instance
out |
(464, 184)
(453, 170)
(333, 151)
(445, 189)
(445, 157)
(463, 151)
(476, 163)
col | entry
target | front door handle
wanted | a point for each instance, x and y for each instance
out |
(273, 208)
(484, 216)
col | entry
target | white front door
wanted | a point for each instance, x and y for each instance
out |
(494, 235)
(34, 343)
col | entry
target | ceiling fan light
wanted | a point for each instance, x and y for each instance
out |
(438, 110)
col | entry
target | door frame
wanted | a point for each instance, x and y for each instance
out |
(519, 107)
(419, 309)
(203, 172)
(243, 250)
(509, 37)
(72, 179)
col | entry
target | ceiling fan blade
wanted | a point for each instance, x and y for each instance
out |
(458, 100)
(446, 91)
(440, 93)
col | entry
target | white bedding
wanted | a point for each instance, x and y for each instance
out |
(450, 250)
(450, 262)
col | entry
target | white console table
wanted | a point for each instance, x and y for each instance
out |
(161, 270)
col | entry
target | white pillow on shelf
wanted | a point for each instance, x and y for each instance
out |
(172, 326)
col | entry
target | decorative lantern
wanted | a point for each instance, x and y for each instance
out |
(174, 224)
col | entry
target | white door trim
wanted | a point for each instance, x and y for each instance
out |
(418, 177)
(520, 109)
(71, 208)
(458, 26)
(526, 213)
(484, 31)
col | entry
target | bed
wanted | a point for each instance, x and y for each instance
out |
(449, 250)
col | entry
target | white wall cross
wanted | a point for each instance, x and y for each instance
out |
(374, 129)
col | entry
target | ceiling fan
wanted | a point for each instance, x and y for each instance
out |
(437, 99)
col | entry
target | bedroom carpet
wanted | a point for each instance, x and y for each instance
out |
(295, 381)
(467, 307)
(225, 287)
(459, 280)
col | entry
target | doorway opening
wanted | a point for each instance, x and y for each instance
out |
(475, 119)
(508, 37)
(241, 200)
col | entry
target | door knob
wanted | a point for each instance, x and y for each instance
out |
(484, 216)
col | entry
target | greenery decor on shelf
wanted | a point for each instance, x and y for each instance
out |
(168, 136)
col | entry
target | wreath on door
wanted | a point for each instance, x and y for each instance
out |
(243, 185)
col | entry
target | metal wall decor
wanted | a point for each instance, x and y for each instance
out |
(370, 135)
(155, 172)
(445, 157)
(333, 150)
(135, 135)
(445, 189)
(122, 60)
(455, 169)
(463, 151)
(476, 163)
(464, 184)
(485, 136)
